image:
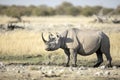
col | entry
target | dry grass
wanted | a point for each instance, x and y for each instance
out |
(115, 45)
(21, 42)
(29, 42)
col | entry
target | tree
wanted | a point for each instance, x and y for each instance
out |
(87, 11)
(117, 10)
(67, 8)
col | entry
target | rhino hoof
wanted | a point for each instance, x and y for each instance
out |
(109, 65)
(97, 65)
(66, 65)
(74, 65)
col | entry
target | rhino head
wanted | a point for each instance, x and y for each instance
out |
(53, 43)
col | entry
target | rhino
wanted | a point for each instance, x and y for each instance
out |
(84, 42)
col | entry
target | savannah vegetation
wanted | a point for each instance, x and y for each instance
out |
(64, 8)
(27, 47)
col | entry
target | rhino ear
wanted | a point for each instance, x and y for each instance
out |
(58, 35)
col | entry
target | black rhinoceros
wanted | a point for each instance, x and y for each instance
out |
(84, 42)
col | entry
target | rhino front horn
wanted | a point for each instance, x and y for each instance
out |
(43, 38)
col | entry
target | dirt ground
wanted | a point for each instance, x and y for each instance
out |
(43, 72)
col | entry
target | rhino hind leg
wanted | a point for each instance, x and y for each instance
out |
(105, 48)
(106, 52)
(109, 59)
(99, 57)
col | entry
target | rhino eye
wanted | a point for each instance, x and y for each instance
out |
(49, 44)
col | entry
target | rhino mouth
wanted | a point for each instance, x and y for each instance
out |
(48, 49)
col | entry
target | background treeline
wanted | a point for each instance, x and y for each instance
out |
(65, 8)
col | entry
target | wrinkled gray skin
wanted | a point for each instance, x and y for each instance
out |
(74, 41)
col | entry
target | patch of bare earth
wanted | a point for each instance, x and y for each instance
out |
(42, 72)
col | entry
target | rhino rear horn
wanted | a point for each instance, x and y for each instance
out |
(51, 36)
(57, 34)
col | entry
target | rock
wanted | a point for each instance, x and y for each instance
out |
(80, 73)
(47, 63)
(2, 67)
(114, 67)
(70, 69)
(102, 67)
(50, 73)
(18, 71)
(33, 78)
(107, 73)
(62, 70)
(102, 73)
(59, 73)
(116, 74)
(28, 75)
(82, 68)
(99, 73)
(40, 67)
(89, 69)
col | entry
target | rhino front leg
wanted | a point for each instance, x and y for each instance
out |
(68, 57)
(74, 55)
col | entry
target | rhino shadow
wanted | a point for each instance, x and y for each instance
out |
(69, 40)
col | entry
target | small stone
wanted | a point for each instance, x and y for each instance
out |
(34, 79)
(28, 75)
(99, 73)
(51, 72)
(82, 68)
(1, 65)
(114, 67)
(116, 74)
(18, 71)
(102, 67)
(107, 73)
(40, 67)
(89, 69)
(71, 69)
(80, 73)
(62, 70)
(47, 63)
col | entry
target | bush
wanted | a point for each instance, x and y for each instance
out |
(65, 8)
